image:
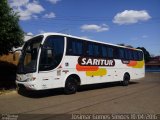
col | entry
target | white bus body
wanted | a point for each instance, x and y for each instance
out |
(50, 60)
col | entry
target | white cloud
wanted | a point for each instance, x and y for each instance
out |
(130, 17)
(96, 28)
(30, 34)
(53, 1)
(34, 7)
(26, 9)
(24, 14)
(18, 3)
(49, 15)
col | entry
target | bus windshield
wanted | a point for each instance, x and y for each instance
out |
(28, 58)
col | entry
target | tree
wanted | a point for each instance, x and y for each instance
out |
(147, 56)
(11, 35)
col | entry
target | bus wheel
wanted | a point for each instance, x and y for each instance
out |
(70, 86)
(126, 79)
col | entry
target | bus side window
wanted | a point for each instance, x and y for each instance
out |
(115, 53)
(125, 54)
(130, 55)
(74, 47)
(140, 55)
(121, 53)
(51, 53)
(90, 49)
(110, 52)
(93, 50)
(69, 47)
(96, 50)
(104, 51)
(135, 55)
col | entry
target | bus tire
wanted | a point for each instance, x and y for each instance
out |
(70, 86)
(126, 80)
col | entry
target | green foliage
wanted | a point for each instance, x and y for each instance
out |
(147, 56)
(11, 35)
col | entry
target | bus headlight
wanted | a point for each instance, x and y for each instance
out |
(25, 78)
(31, 79)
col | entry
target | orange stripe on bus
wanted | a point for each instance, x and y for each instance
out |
(132, 63)
(86, 68)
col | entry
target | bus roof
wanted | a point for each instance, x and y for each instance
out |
(86, 39)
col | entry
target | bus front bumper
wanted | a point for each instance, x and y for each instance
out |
(26, 86)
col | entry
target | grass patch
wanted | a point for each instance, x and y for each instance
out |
(3, 91)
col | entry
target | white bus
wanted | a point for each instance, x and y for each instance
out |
(54, 60)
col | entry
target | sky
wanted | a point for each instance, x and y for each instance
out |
(131, 22)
